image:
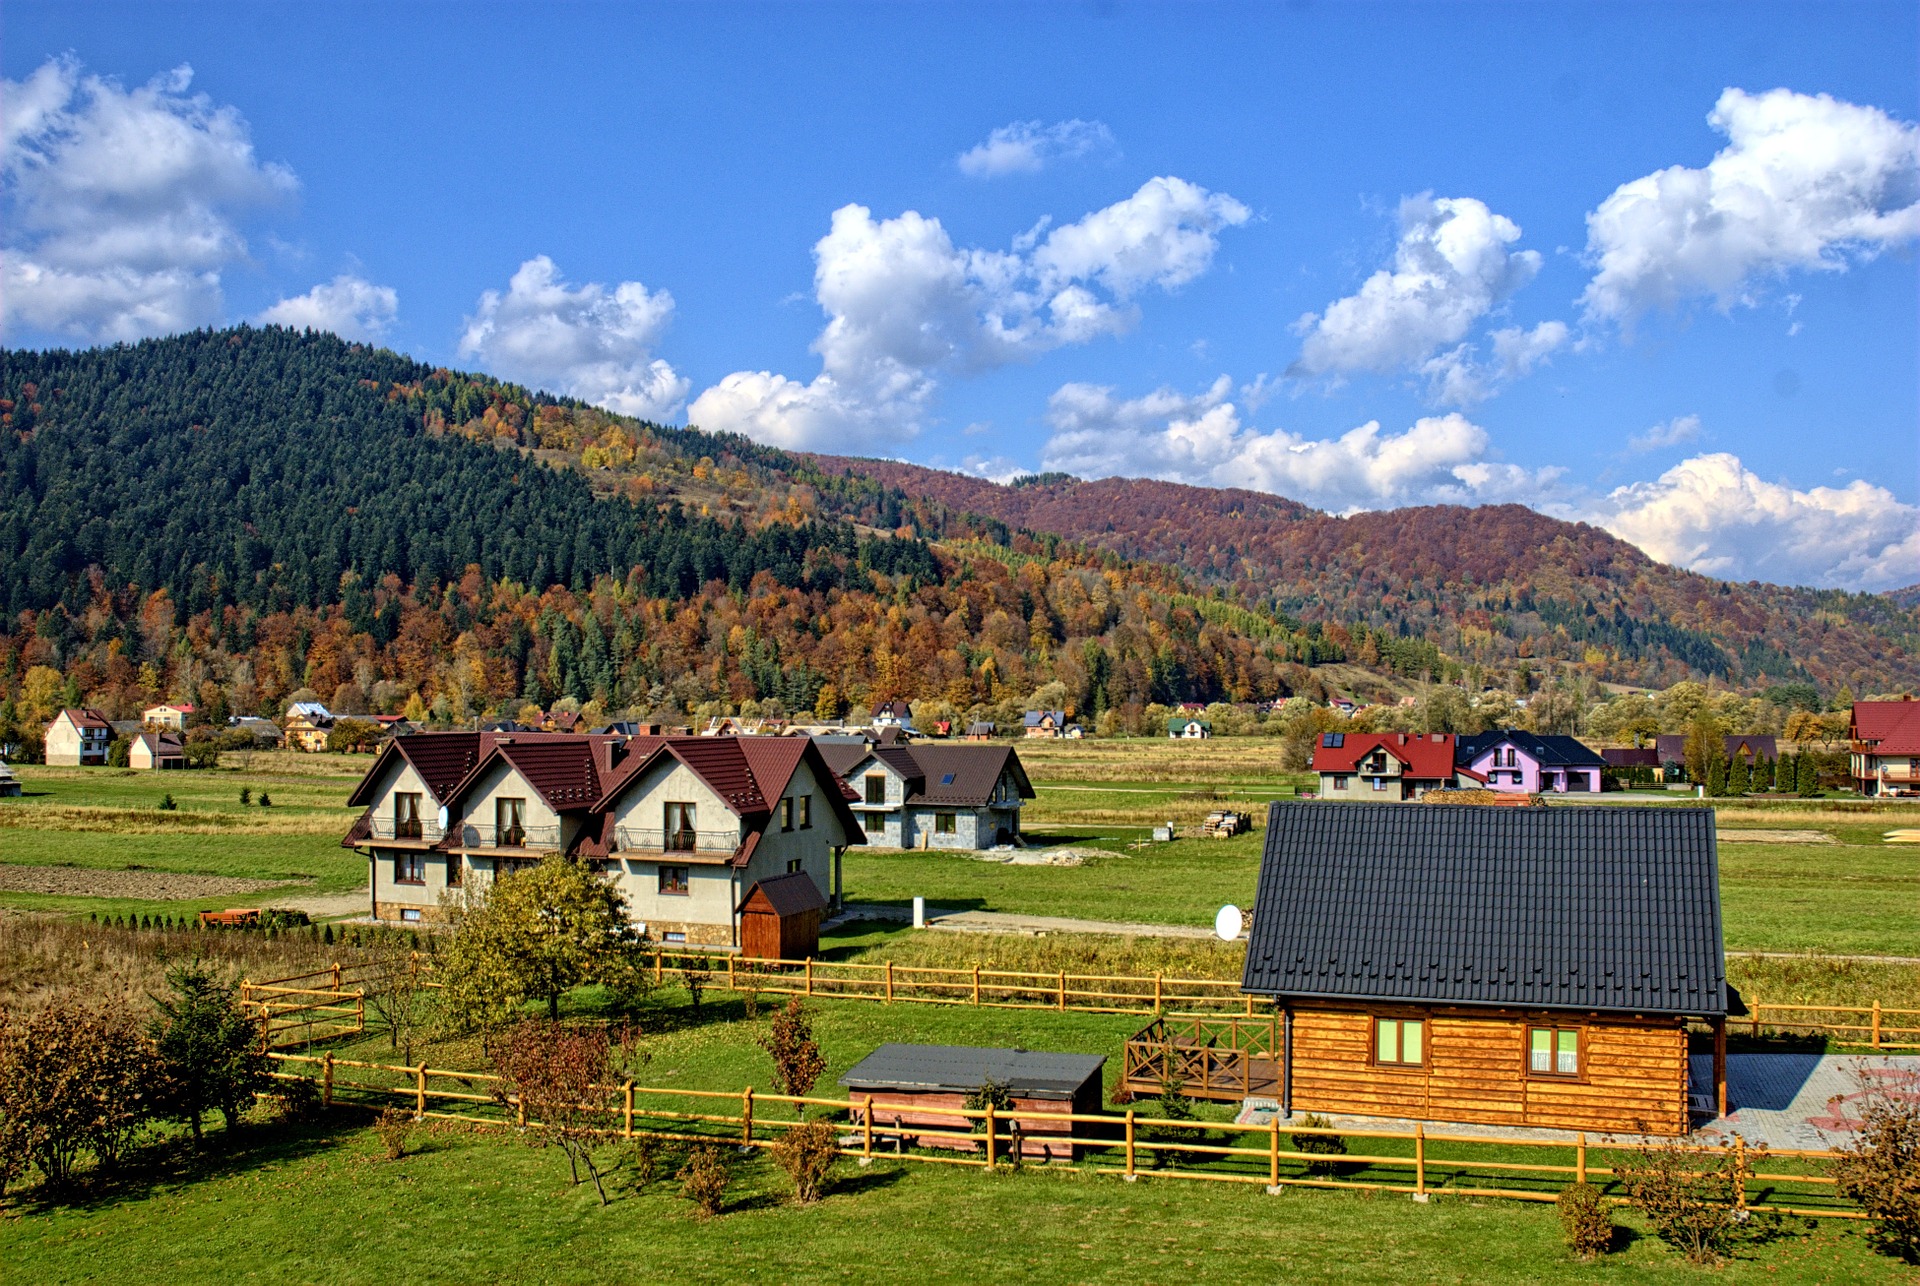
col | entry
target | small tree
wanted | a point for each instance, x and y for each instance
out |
(399, 996)
(797, 1061)
(695, 975)
(1696, 1202)
(808, 1153)
(210, 1052)
(74, 1079)
(1585, 1220)
(1879, 1170)
(704, 1179)
(556, 1076)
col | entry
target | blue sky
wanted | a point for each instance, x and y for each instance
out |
(1646, 266)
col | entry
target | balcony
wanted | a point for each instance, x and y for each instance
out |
(425, 831)
(644, 839)
(543, 838)
(1906, 776)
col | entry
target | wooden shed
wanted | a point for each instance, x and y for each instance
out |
(780, 918)
(1534, 967)
(924, 1087)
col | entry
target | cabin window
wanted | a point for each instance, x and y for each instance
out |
(406, 816)
(806, 812)
(456, 870)
(1399, 1041)
(786, 813)
(509, 822)
(876, 788)
(673, 879)
(682, 829)
(1553, 1051)
(674, 939)
(794, 866)
(409, 868)
(1339, 783)
(945, 824)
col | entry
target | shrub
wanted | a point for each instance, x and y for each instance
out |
(246, 796)
(808, 1153)
(1695, 1201)
(296, 1100)
(704, 1179)
(1880, 1171)
(210, 1052)
(74, 1079)
(1330, 1145)
(646, 1152)
(695, 976)
(797, 1061)
(1585, 1220)
(393, 1126)
(166, 804)
(266, 800)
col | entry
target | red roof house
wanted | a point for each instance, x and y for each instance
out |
(1389, 766)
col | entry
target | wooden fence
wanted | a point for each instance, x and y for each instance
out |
(1128, 1144)
(1874, 1025)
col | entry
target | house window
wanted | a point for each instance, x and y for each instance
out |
(876, 788)
(795, 866)
(406, 816)
(509, 822)
(1339, 783)
(409, 868)
(1399, 1042)
(673, 879)
(945, 824)
(1379, 783)
(674, 939)
(456, 870)
(1553, 1051)
(786, 813)
(410, 915)
(682, 831)
(806, 812)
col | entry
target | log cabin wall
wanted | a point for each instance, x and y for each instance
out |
(1474, 1069)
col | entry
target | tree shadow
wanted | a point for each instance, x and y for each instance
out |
(870, 1180)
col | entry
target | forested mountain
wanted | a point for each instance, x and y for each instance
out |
(1489, 586)
(232, 516)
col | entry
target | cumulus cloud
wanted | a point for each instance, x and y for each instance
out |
(122, 205)
(905, 305)
(1713, 515)
(349, 306)
(1458, 378)
(1671, 433)
(1805, 182)
(1028, 147)
(590, 341)
(1454, 264)
(1200, 439)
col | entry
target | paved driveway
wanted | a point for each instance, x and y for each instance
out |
(1801, 1100)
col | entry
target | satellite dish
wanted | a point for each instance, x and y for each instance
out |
(443, 818)
(1228, 922)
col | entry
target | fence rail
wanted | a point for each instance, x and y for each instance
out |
(1128, 1144)
(1871, 1022)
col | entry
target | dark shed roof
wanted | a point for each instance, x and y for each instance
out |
(961, 1069)
(794, 893)
(1568, 908)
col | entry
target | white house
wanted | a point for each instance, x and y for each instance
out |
(78, 737)
(168, 716)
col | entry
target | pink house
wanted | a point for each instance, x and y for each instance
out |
(1530, 763)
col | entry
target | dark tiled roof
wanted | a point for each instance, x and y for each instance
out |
(1595, 907)
(1550, 750)
(843, 757)
(442, 759)
(1672, 747)
(961, 1069)
(1631, 757)
(88, 717)
(791, 894)
(974, 770)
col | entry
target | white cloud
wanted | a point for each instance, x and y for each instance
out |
(590, 341)
(1458, 378)
(1713, 515)
(122, 204)
(1200, 439)
(348, 306)
(1028, 147)
(1454, 264)
(1672, 433)
(1805, 182)
(905, 305)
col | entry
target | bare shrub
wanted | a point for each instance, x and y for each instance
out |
(398, 995)
(704, 1179)
(1879, 1170)
(1585, 1220)
(296, 1100)
(808, 1153)
(696, 976)
(646, 1152)
(1695, 1201)
(74, 1079)
(797, 1061)
(556, 1075)
(394, 1126)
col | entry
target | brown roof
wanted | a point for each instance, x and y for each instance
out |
(844, 756)
(792, 894)
(161, 744)
(442, 759)
(962, 775)
(87, 717)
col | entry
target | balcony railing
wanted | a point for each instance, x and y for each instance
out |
(1898, 774)
(645, 839)
(543, 838)
(425, 830)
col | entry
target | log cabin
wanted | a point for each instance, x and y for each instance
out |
(1533, 967)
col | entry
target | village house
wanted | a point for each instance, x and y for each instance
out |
(1531, 763)
(155, 750)
(78, 738)
(980, 730)
(1755, 748)
(1883, 747)
(891, 714)
(688, 828)
(1388, 767)
(307, 725)
(1045, 723)
(965, 796)
(168, 716)
(265, 732)
(1529, 967)
(1182, 727)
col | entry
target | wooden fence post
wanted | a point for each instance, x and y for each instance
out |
(336, 975)
(359, 1011)
(1419, 1162)
(1129, 1143)
(730, 986)
(746, 1115)
(326, 1080)
(1876, 1024)
(889, 982)
(626, 1112)
(1756, 1021)
(1159, 992)
(1580, 1159)
(809, 975)
(1061, 997)
(420, 1092)
(658, 968)
(1739, 1173)
(520, 1109)
(989, 1136)
(866, 1131)
(1273, 1151)
(976, 986)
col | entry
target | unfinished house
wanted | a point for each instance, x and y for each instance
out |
(957, 796)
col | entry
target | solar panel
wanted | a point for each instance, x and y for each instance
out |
(1333, 740)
